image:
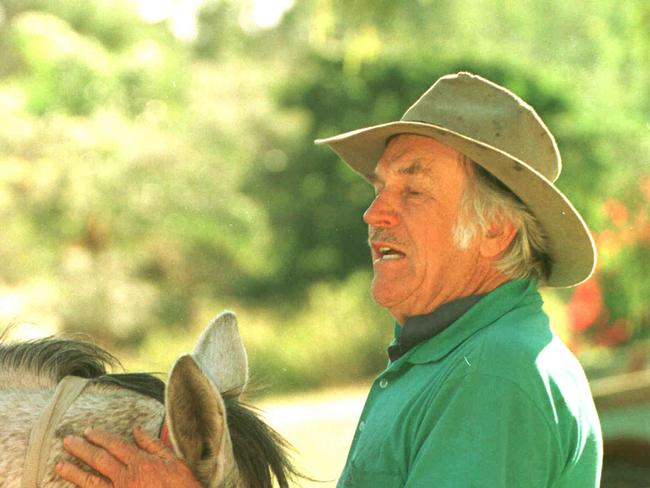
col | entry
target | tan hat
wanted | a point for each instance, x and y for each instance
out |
(502, 133)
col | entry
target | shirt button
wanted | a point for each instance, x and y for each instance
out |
(383, 383)
(362, 425)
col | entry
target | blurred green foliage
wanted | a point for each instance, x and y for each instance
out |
(147, 179)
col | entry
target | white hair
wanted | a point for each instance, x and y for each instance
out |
(485, 201)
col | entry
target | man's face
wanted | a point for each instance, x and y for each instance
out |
(417, 266)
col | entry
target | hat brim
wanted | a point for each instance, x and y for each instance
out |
(572, 248)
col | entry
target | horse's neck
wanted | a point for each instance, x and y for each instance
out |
(114, 409)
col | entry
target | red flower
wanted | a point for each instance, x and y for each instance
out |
(616, 211)
(586, 305)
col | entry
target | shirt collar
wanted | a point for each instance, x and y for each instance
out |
(490, 307)
(420, 328)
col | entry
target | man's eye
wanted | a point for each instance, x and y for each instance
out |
(413, 193)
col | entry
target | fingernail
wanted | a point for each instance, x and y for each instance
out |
(67, 440)
(88, 430)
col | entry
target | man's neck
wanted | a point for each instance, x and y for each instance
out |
(482, 286)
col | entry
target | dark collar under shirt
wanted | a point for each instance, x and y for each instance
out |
(420, 328)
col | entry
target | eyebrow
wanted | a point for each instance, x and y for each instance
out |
(414, 168)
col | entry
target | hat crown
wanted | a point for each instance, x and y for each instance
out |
(481, 110)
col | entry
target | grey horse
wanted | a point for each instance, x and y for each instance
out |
(224, 442)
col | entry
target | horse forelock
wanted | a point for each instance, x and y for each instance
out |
(260, 452)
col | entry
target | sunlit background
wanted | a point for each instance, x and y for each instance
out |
(157, 166)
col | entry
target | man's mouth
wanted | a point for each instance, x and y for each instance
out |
(383, 252)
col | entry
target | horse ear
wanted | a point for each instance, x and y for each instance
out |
(196, 417)
(221, 355)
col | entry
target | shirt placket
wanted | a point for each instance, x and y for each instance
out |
(379, 386)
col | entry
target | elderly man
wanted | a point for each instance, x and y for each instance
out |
(465, 224)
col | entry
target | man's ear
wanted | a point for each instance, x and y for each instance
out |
(498, 238)
(196, 416)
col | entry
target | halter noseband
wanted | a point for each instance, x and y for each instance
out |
(42, 432)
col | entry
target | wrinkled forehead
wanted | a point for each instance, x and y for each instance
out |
(415, 155)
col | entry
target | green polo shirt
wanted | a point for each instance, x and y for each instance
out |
(494, 400)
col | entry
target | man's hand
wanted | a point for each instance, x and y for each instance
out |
(148, 463)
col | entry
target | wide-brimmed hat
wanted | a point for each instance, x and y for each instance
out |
(499, 131)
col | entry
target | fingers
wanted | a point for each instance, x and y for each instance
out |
(79, 477)
(151, 444)
(96, 458)
(118, 446)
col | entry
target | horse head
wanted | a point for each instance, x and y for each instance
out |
(224, 442)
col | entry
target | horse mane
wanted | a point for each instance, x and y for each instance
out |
(254, 440)
(261, 453)
(52, 358)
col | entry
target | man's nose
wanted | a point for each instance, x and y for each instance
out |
(381, 213)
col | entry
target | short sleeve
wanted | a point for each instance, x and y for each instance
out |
(482, 430)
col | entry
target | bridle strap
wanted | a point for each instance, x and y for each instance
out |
(67, 391)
